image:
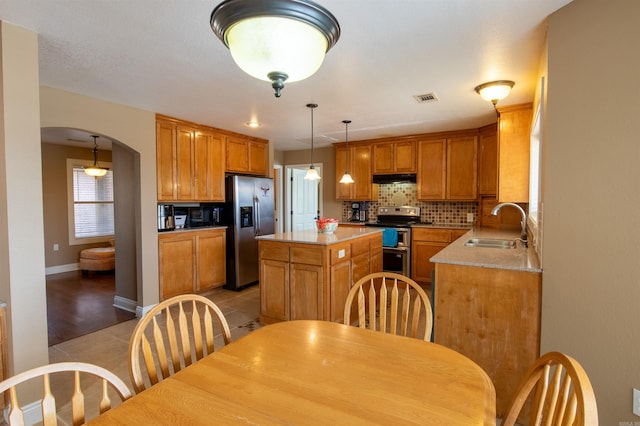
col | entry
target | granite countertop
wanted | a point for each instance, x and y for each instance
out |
(520, 258)
(314, 237)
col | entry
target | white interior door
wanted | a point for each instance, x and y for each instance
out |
(304, 200)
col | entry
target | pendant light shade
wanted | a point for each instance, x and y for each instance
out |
(95, 170)
(494, 91)
(346, 177)
(312, 173)
(276, 40)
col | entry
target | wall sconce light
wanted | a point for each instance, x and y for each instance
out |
(494, 91)
(346, 177)
(276, 40)
(312, 173)
(95, 170)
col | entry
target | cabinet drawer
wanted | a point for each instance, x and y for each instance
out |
(340, 252)
(360, 246)
(440, 235)
(306, 255)
(274, 251)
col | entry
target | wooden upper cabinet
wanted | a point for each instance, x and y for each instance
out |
(360, 170)
(246, 156)
(394, 157)
(514, 128)
(432, 175)
(190, 162)
(165, 159)
(462, 168)
(488, 160)
(448, 168)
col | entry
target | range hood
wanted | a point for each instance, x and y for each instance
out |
(395, 178)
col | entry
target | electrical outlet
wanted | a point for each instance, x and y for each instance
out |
(56, 247)
(636, 402)
(469, 217)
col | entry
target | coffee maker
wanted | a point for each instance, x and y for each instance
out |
(166, 220)
(359, 212)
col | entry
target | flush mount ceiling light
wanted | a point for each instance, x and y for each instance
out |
(494, 91)
(276, 40)
(346, 177)
(95, 170)
(312, 173)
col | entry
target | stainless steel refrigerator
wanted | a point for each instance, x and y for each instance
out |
(248, 213)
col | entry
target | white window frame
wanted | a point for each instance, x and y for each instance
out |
(73, 241)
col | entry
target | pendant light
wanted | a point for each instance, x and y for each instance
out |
(312, 173)
(95, 170)
(276, 40)
(346, 177)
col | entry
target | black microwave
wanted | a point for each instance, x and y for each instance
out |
(202, 216)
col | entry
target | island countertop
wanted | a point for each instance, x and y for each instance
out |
(520, 258)
(312, 236)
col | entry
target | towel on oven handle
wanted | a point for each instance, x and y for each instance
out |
(389, 237)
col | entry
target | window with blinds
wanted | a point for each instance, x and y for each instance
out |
(92, 204)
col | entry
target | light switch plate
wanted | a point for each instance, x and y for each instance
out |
(469, 217)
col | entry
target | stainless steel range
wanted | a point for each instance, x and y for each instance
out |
(396, 251)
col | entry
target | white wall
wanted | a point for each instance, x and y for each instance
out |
(591, 279)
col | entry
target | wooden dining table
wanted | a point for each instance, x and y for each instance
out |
(318, 372)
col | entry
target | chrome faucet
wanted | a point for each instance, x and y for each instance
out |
(523, 223)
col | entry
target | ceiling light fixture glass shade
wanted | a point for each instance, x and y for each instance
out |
(276, 40)
(346, 177)
(312, 173)
(95, 170)
(494, 91)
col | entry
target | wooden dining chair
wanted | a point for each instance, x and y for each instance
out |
(391, 303)
(174, 334)
(107, 381)
(563, 394)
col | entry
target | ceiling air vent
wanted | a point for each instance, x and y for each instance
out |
(427, 97)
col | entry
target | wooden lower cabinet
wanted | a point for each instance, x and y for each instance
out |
(426, 243)
(492, 316)
(191, 261)
(311, 281)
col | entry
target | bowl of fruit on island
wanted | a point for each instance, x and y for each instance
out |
(326, 225)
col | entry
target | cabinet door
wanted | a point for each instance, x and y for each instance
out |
(208, 164)
(237, 155)
(421, 252)
(176, 258)
(343, 190)
(405, 157)
(211, 259)
(305, 284)
(340, 284)
(361, 166)
(462, 168)
(166, 160)
(383, 158)
(360, 266)
(432, 160)
(488, 161)
(274, 290)
(514, 126)
(184, 163)
(257, 158)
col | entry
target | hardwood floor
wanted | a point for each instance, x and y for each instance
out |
(80, 304)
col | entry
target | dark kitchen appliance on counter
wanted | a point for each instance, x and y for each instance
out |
(200, 215)
(396, 237)
(359, 211)
(248, 213)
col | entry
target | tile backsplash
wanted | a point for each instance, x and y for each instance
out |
(405, 194)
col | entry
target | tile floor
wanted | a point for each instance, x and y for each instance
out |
(108, 347)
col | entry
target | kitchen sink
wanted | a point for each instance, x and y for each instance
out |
(491, 243)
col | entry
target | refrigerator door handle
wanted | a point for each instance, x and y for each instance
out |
(256, 213)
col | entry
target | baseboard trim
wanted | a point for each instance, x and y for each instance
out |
(32, 412)
(142, 310)
(125, 304)
(61, 268)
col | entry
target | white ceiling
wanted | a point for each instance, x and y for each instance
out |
(161, 56)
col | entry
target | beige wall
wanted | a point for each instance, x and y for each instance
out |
(55, 205)
(591, 279)
(327, 158)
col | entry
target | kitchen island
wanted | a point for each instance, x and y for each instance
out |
(307, 275)
(487, 307)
